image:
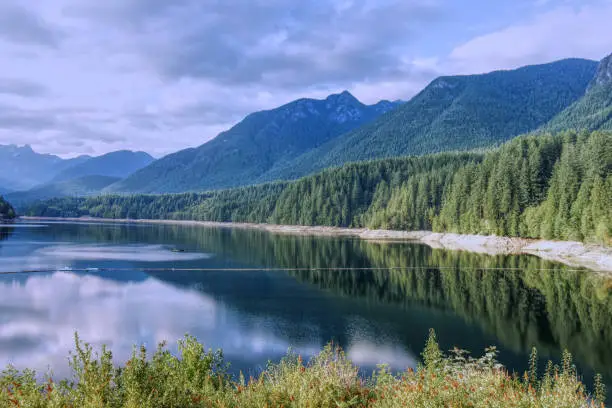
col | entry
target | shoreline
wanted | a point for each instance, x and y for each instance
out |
(575, 254)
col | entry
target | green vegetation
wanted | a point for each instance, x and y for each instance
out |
(261, 141)
(544, 186)
(198, 378)
(452, 113)
(7, 212)
(549, 187)
(594, 110)
(457, 113)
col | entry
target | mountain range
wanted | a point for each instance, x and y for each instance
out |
(22, 168)
(117, 164)
(258, 144)
(452, 113)
(77, 187)
(458, 113)
(26, 173)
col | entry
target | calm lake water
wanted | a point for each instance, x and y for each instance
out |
(377, 316)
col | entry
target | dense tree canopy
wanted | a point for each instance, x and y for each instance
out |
(255, 145)
(548, 186)
(6, 210)
(457, 113)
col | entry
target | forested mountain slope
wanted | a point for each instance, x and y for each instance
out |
(457, 113)
(540, 186)
(261, 141)
(594, 110)
(118, 164)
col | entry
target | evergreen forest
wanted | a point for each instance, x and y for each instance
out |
(551, 186)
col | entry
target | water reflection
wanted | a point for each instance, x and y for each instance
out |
(39, 316)
(472, 300)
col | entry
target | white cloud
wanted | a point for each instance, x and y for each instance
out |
(563, 32)
(161, 76)
(91, 77)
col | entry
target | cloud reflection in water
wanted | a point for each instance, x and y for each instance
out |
(38, 319)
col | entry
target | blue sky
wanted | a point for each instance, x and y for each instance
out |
(88, 77)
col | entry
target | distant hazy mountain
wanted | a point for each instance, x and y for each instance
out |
(257, 144)
(457, 113)
(78, 187)
(3, 189)
(119, 164)
(594, 110)
(22, 168)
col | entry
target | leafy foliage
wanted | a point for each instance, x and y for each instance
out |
(197, 378)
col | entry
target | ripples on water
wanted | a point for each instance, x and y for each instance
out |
(378, 316)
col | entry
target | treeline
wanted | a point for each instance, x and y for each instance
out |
(540, 186)
(555, 187)
(335, 197)
(7, 212)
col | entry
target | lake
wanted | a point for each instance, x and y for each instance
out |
(260, 306)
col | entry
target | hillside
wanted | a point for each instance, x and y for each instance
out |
(6, 210)
(77, 187)
(119, 164)
(537, 186)
(257, 144)
(594, 110)
(457, 113)
(21, 168)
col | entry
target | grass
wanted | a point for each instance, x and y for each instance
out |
(198, 378)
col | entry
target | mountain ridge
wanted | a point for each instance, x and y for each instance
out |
(239, 155)
(462, 112)
(22, 168)
(119, 164)
(594, 110)
(76, 187)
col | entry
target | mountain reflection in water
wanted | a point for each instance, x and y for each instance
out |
(378, 316)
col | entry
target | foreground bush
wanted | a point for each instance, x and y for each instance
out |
(199, 378)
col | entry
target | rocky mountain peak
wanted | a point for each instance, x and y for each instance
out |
(604, 73)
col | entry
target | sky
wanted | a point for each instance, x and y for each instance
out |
(90, 76)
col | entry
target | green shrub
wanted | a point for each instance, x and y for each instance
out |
(199, 378)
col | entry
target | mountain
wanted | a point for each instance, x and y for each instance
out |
(259, 143)
(78, 187)
(118, 164)
(594, 110)
(457, 113)
(22, 168)
(4, 190)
